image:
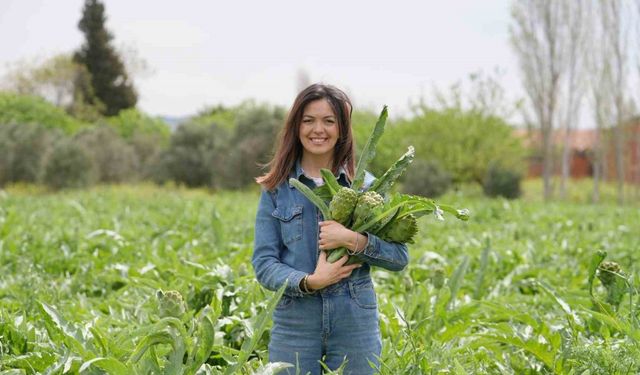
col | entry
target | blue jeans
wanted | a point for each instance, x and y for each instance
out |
(337, 324)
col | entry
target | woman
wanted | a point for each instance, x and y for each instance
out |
(328, 311)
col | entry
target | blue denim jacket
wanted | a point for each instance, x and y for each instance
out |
(286, 239)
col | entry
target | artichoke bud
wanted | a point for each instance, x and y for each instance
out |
(402, 230)
(170, 303)
(607, 273)
(342, 205)
(437, 279)
(366, 207)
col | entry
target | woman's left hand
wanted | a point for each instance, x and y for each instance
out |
(334, 235)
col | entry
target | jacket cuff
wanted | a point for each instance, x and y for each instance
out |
(293, 287)
(372, 248)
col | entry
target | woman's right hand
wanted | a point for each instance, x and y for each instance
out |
(329, 273)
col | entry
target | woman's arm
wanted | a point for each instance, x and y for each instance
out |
(270, 271)
(392, 256)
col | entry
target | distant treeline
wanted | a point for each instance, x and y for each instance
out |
(225, 147)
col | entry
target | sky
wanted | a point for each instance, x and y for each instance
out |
(203, 53)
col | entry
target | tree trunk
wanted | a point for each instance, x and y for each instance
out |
(597, 167)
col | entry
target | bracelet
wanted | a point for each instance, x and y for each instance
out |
(305, 286)
(355, 248)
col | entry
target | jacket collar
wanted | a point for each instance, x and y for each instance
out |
(298, 173)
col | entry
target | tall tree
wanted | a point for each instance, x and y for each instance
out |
(577, 26)
(537, 37)
(615, 28)
(109, 79)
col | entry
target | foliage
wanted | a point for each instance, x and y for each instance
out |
(109, 80)
(68, 166)
(22, 109)
(131, 122)
(196, 155)
(113, 159)
(24, 149)
(53, 79)
(463, 142)
(426, 178)
(501, 181)
(225, 117)
(251, 145)
(505, 292)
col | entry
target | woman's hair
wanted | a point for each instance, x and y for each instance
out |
(289, 148)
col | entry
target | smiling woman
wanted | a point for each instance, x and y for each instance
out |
(329, 311)
(318, 135)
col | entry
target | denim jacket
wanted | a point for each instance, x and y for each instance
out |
(286, 239)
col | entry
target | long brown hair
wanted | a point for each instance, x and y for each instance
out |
(289, 148)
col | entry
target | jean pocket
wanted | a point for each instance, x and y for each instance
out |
(284, 302)
(363, 294)
(290, 222)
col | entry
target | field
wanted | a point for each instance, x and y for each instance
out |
(512, 291)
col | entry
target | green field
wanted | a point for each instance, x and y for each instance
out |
(506, 292)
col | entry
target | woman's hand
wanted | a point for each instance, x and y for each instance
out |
(334, 235)
(329, 273)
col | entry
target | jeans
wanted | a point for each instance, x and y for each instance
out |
(337, 324)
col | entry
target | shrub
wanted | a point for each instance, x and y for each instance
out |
(501, 181)
(195, 155)
(24, 148)
(21, 109)
(148, 148)
(68, 166)
(463, 142)
(426, 178)
(252, 143)
(113, 159)
(130, 122)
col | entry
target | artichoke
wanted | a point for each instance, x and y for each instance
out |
(342, 205)
(401, 230)
(170, 303)
(607, 272)
(368, 204)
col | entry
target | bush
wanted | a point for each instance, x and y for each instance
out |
(130, 122)
(68, 166)
(24, 148)
(501, 181)
(426, 178)
(113, 159)
(463, 142)
(195, 155)
(148, 149)
(21, 109)
(252, 144)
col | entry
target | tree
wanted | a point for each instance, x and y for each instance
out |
(615, 34)
(109, 79)
(537, 37)
(576, 29)
(59, 80)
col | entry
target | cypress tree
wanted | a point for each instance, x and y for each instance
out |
(109, 80)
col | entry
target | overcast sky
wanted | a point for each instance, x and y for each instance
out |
(208, 52)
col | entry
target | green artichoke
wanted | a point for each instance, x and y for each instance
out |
(342, 205)
(607, 272)
(401, 230)
(170, 303)
(368, 204)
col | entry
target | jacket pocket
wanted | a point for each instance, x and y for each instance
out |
(363, 294)
(290, 222)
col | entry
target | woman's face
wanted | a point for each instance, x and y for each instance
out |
(319, 129)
